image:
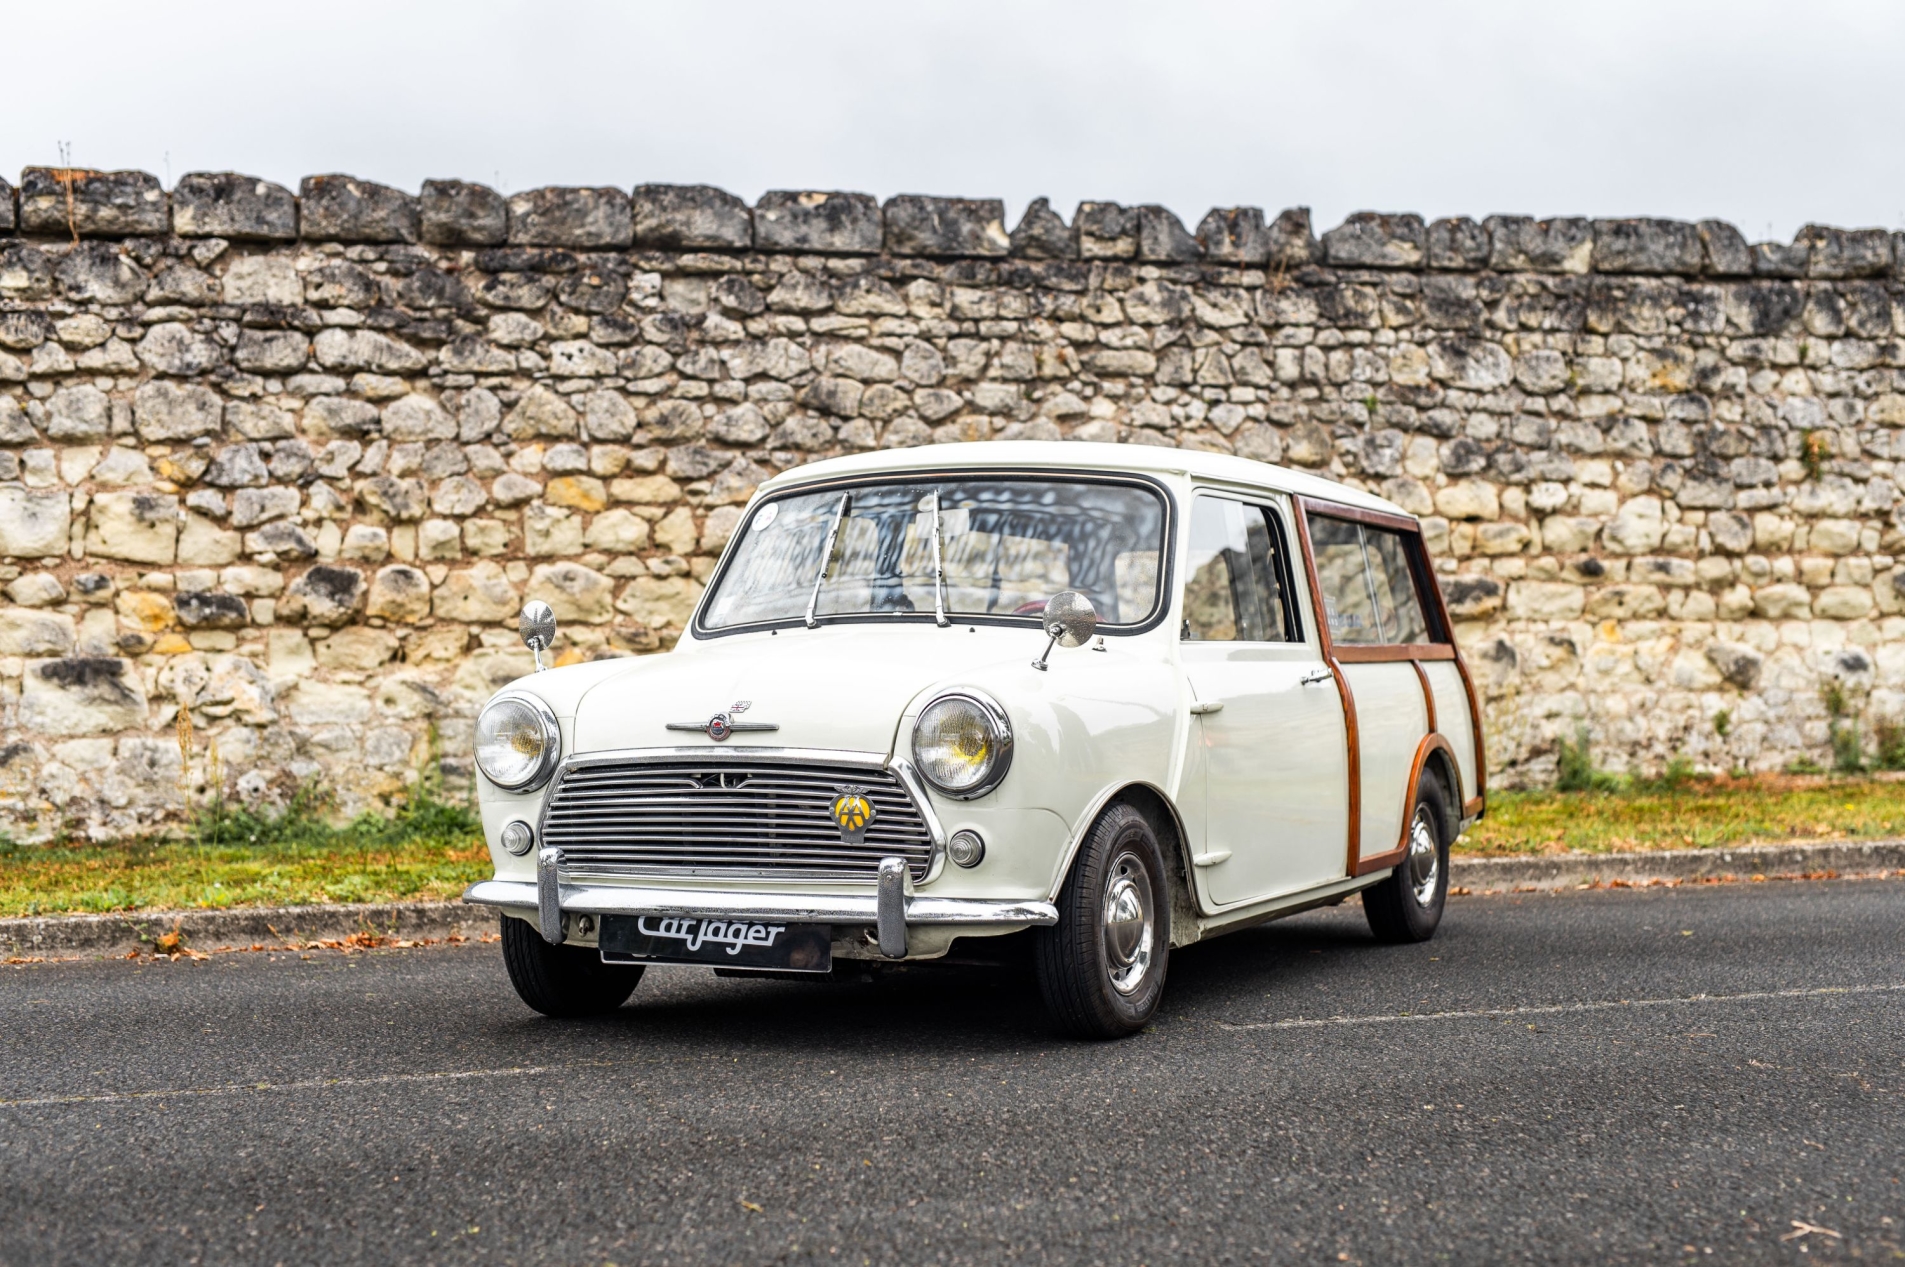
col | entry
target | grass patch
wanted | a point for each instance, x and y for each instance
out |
(235, 857)
(1681, 810)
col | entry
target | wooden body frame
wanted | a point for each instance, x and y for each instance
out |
(1430, 595)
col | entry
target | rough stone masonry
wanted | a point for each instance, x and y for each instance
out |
(293, 461)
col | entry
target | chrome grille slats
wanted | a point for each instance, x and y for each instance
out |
(730, 816)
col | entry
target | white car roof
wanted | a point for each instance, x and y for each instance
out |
(1085, 456)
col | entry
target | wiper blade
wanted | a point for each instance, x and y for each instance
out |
(826, 559)
(939, 571)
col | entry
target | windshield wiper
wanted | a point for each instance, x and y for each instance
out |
(939, 571)
(826, 559)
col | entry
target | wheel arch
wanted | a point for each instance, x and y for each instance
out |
(1159, 810)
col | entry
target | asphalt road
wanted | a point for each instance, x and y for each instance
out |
(1640, 1075)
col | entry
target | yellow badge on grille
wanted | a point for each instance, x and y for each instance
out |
(852, 812)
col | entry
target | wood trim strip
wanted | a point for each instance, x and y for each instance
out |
(1429, 744)
(1428, 692)
(1351, 737)
(1356, 514)
(1474, 703)
(1472, 807)
(1390, 652)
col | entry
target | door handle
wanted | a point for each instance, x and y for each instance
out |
(1208, 706)
(1313, 677)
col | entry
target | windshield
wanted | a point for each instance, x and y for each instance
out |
(1005, 546)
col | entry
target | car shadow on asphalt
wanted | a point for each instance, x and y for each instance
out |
(972, 1006)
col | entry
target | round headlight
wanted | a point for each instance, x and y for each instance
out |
(517, 743)
(963, 744)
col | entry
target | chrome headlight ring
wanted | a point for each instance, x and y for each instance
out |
(546, 758)
(954, 706)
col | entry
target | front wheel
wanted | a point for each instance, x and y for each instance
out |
(563, 980)
(1407, 905)
(1101, 967)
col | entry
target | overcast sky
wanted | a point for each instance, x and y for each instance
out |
(1768, 115)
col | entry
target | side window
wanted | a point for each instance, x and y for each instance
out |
(1369, 589)
(1234, 586)
(1348, 603)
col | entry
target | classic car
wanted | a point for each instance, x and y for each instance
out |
(1109, 699)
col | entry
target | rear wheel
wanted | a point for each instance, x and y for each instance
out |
(1101, 967)
(563, 980)
(1407, 905)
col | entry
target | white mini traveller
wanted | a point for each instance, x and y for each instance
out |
(1109, 698)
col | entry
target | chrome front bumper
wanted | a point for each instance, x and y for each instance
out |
(890, 910)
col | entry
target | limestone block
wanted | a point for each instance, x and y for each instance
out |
(1834, 536)
(281, 539)
(1843, 602)
(1105, 231)
(1523, 244)
(238, 465)
(946, 227)
(1843, 253)
(1234, 235)
(340, 286)
(36, 589)
(1782, 601)
(228, 205)
(1472, 597)
(617, 532)
(342, 349)
(660, 602)
(417, 417)
(81, 695)
(578, 492)
(840, 223)
(1647, 246)
(138, 527)
(64, 201)
(99, 272)
(485, 536)
(325, 595)
(1737, 663)
(457, 213)
(172, 347)
(439, 539)
(541, 412)
(1474, 364)
(1162, 238)
(1542, 371)
(1638, 528)
(572, 217)
(1371, 239)
(1468, 499)
(458, 496)
(78, 413)
(1725, 253)
(573, 592)
(549, 530)
(1457, 243)
(1626, 602)
(1545, 600)
(208, 610)
(9, 211)
(344, 209)
(399, 592)
(1042, 234)
(25, 632)
(478, 595)
(690, 218)
(399, 499)
(203, 543)
(578, 358)
(254, 506)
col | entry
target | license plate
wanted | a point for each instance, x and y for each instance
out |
(721, 943)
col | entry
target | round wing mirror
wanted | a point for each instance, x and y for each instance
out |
(538, 628)
(1069, 621)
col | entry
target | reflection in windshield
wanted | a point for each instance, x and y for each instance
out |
(1006, 546)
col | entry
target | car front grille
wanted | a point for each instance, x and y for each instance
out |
(726, 817)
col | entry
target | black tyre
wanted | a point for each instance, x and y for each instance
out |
(1407, 905)
(563, 980)
(1101, 967)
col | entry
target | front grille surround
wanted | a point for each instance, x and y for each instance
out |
(737, 814)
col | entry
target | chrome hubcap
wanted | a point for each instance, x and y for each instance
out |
(1130, 927)
(1425, 856)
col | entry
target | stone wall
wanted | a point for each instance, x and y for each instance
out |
(292, 461)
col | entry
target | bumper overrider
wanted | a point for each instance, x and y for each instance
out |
(890, 910)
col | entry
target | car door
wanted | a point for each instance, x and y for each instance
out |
(1269, 729)
(1371, 576)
